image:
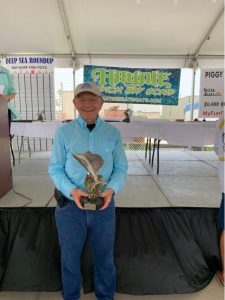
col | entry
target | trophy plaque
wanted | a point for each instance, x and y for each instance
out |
(93, 182)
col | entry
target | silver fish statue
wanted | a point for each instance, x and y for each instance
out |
(92, 163)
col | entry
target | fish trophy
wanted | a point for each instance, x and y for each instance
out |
(93, 182)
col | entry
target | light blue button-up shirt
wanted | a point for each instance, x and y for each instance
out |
(74, 137)
(6, 80)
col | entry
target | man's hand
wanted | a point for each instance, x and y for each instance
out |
(3, 97)
(107, 195)
(76, 194)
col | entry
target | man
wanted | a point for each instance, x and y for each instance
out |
(219, 146)
(74, 224)
(7, 93)
(7, 90)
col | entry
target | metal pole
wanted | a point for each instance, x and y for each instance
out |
(74, 82)
(193, 93)
(207, 35)
(66, 25)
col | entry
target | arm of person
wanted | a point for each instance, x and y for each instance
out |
(10, 89)
(119, 173)
(7, 97)
(57, 169)
(219, 137)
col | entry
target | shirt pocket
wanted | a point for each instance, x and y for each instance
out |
(106, 149)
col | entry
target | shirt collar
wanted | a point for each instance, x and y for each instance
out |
(83, 123)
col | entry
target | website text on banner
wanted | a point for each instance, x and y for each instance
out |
(211, 93)
(141, 86)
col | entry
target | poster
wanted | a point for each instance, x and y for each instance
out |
(129, 85)
(34, 82)
(211, 93)
(29, 64)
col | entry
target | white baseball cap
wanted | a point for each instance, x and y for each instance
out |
(90, 87)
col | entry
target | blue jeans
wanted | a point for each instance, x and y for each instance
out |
(221, 213)
(73, 226)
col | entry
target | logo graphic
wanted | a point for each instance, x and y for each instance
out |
(211, 92)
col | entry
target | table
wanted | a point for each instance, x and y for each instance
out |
(34, 130)
(175, 133)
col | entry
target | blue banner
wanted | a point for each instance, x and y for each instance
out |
(129, 85)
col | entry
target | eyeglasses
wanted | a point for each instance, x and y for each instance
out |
(93, 100)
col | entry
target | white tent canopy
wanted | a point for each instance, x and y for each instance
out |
(90, 30)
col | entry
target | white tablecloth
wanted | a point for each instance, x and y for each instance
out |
(175, 133)
(35, 129)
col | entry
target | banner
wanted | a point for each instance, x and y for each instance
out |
(34, 82)
(142, 86)
(211, 93)
(29, 64)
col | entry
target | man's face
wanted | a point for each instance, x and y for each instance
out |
(88, 105)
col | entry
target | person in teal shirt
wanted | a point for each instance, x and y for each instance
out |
(7, 91)
(74, 224)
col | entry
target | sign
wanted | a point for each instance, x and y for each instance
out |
(29, 64)
(129, 85)
(211, 93)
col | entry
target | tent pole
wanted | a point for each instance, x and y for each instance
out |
(193, 93)
(64, 18)
(207, 35)
(74, 82)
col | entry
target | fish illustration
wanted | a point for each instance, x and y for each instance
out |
(92, 163)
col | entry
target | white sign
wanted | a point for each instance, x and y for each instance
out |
(211, 93)
(29, 64)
